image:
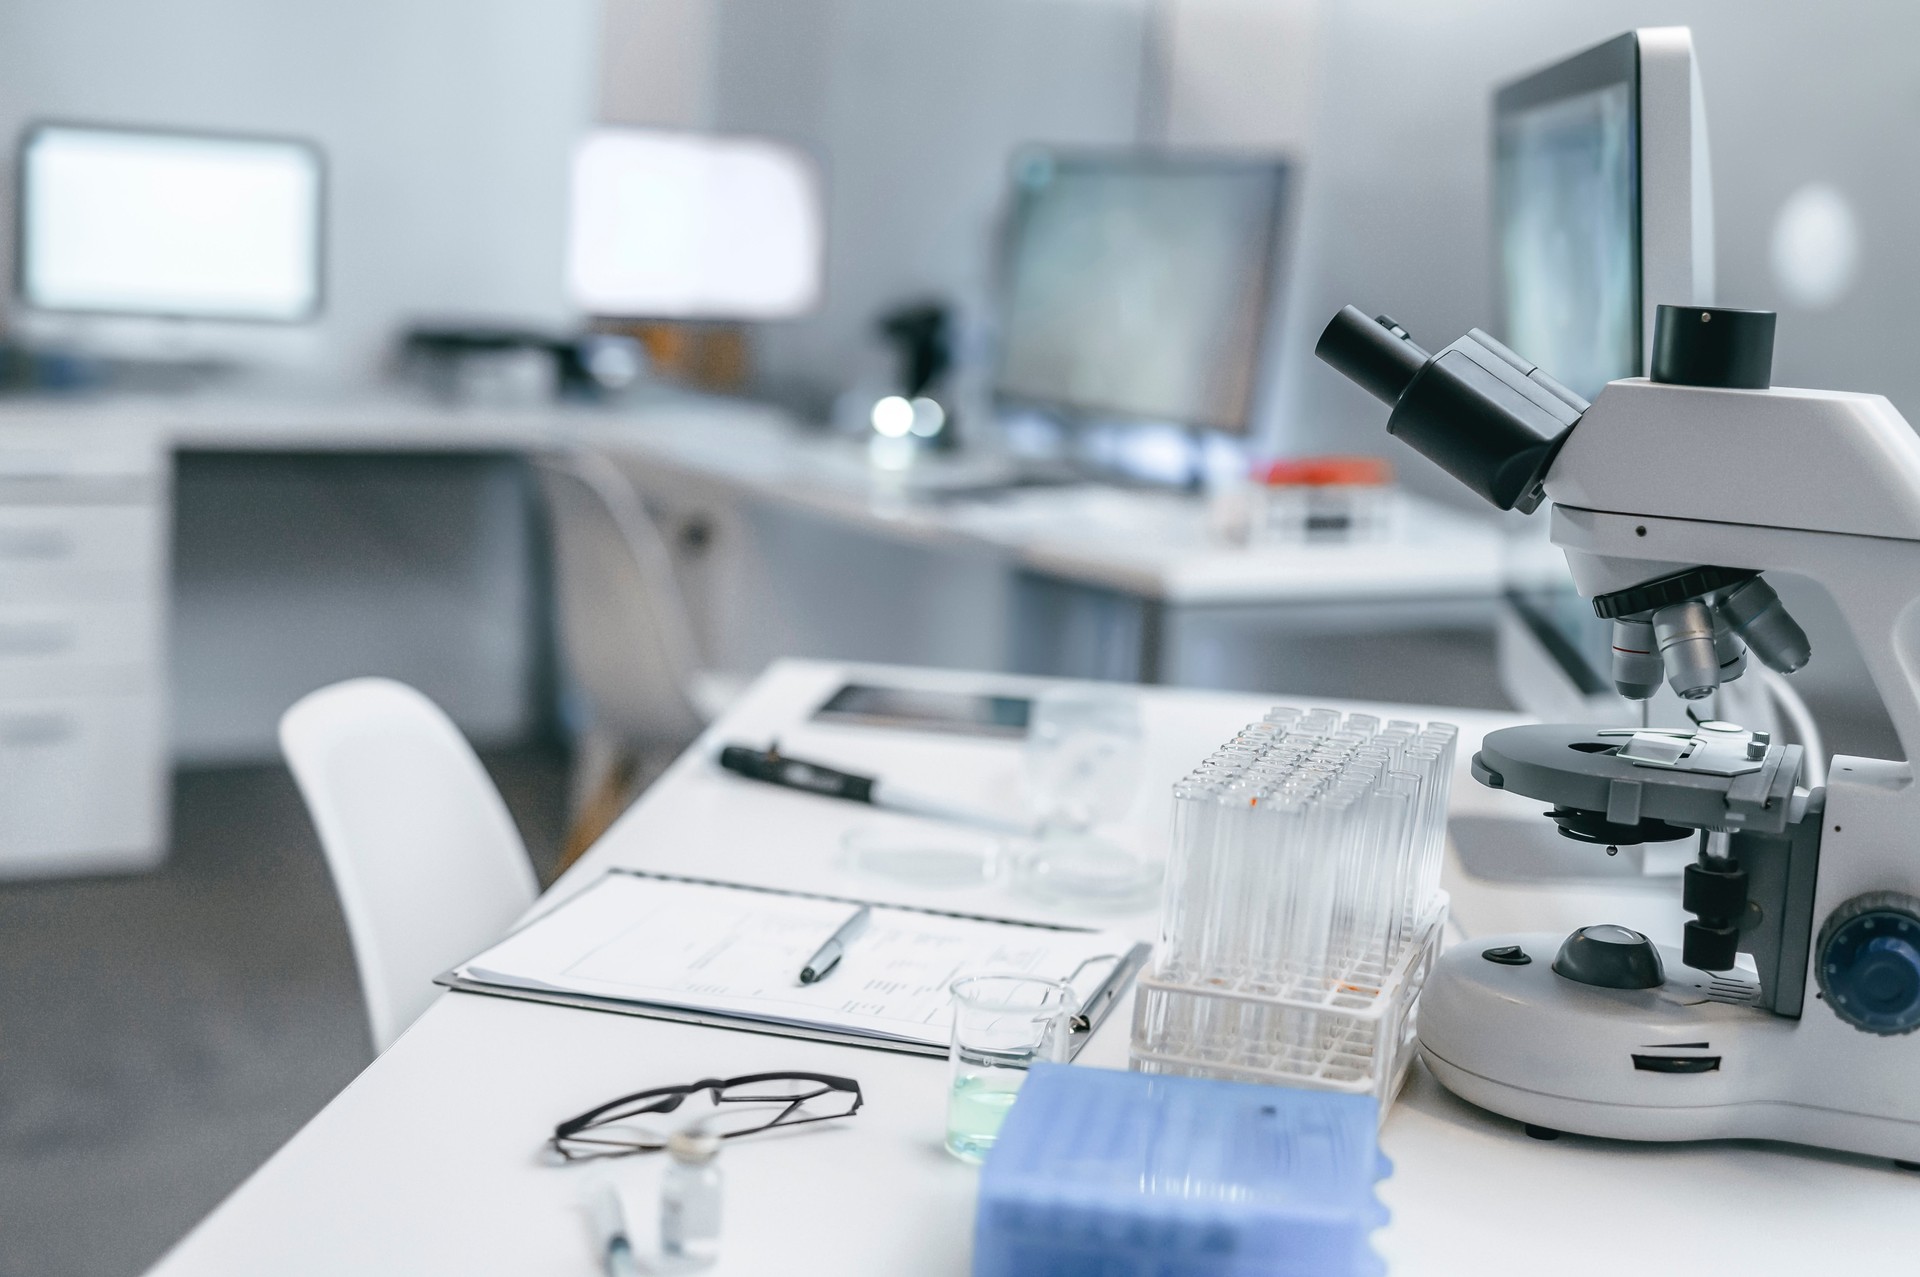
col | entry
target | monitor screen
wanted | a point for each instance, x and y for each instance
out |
(170, 224)
(1138, 285)
(1567, 217)
(1566, 199)
(667, 225)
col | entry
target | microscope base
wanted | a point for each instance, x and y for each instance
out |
(1685, 1061)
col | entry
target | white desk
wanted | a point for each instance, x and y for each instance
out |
(1151, 553)
(84, 563)
(431, 1161)
(1154, 545)
(1150, 544)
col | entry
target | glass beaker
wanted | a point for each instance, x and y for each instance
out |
(1002, 1025)
(1083, 763)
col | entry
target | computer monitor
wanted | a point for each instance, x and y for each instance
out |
(1603, 204)
(1603, 210)
(1137, 285)
(115, 221)
(675, 225)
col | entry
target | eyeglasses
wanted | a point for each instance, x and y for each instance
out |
(741, 1106)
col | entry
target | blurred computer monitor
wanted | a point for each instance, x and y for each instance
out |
(1603, 210)
(1602, 204)
(141, 222)
(676, 225)
(1137, 285)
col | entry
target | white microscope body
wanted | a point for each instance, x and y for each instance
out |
(1655, 484)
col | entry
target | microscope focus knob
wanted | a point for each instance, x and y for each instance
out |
(1713, 346)
(1869, 962)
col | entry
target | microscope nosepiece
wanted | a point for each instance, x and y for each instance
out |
(1684, 632)
(1637, 670)
(1757, 615)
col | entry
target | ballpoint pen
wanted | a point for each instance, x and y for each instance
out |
(610, 1231)
(775, 768)
(828, 956)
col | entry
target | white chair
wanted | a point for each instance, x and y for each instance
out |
(625, 638)
(427, 861)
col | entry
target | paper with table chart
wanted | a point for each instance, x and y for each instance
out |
(736, 952)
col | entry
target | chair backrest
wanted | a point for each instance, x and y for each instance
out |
(427, 861)
(624, 632)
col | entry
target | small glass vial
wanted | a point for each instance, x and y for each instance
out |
(690, 1200)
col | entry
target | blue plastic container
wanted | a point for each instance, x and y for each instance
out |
(1099, 1173)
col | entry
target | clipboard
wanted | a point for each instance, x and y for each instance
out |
(1094, 1010)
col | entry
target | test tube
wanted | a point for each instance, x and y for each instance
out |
(1397, 858)
(1192, 810)
(1317, 722)
(1367, 724)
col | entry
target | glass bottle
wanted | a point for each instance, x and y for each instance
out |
(690, 1200)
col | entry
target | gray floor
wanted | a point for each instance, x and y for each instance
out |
(161, 1035)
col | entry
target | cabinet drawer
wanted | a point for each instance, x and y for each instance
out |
(50, 638)
(82, 784)
(80, 551)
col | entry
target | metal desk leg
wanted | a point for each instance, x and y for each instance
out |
(1153, 631)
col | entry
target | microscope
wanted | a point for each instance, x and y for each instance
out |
(1788, 1012)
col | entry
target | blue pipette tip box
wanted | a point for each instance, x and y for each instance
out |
(1118, 1174)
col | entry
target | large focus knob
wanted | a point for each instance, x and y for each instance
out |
(1713, 346)
(1869, 965)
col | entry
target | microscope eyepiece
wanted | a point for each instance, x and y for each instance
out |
(1477, 410)
(1375, 354)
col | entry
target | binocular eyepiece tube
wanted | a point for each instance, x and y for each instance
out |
(1495, 422)
(1477, 410)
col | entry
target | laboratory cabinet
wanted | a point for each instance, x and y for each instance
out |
(84, 531)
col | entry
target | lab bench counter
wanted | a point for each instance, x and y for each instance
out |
(87, 506)
(431, 1161)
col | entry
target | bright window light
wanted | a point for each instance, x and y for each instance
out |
(688, 226)
(131, 222)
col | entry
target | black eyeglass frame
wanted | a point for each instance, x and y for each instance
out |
(672, 1097)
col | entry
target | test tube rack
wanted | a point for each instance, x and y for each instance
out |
(1302, 909)
(1356, 1037)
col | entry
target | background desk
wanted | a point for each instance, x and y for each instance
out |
(431, 1162)
(281, 545)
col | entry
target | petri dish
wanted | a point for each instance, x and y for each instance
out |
(1086, 871)
(922, 856)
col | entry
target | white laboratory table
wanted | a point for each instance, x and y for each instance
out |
(431, 1161)
(1153, 545)
(86, 505)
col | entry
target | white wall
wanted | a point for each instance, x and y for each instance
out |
(657, 62)
(446, 124)
(1399, 210)
(914, 108)
(1234, 74)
